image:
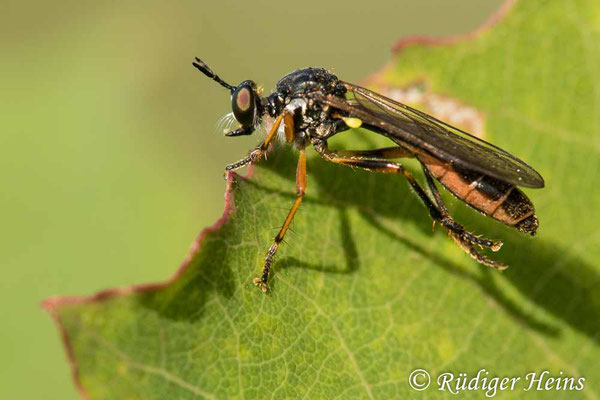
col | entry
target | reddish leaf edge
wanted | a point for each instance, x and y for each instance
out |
(52, 304)
(436, 41)
(426, 40)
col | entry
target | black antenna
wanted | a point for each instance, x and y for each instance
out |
(205, 69)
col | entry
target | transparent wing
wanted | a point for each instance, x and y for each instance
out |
(407, 126)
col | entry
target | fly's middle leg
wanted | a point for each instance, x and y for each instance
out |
(300, 190)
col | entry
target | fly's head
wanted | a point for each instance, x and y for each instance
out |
(246, 102)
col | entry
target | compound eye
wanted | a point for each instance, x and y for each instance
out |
(243, 104)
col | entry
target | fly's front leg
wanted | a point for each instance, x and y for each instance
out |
(256, 154)
(463, 238)
(300, 190)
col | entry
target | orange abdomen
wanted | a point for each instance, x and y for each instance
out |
(500, 200)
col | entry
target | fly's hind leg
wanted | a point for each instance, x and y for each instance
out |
(300, 190)
(450, 224)
(368, 160)
(466, 240)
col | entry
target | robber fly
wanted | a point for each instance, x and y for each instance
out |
(312, 105)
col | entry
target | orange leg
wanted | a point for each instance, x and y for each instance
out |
(300, 190)
(256, 154)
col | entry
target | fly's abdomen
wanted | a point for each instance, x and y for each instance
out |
(500, 200)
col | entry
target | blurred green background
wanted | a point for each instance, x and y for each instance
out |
(110, 161)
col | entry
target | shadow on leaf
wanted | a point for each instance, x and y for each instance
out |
(350, 254)
(192, 289)
(546, 274)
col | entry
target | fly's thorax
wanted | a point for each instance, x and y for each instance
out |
(309, 80)
(293, 95)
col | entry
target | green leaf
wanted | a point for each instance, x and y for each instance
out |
(364, 291)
